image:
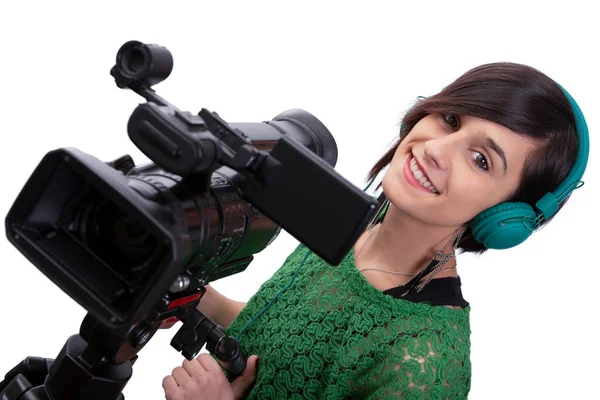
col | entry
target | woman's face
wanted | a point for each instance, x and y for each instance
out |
(450, 168)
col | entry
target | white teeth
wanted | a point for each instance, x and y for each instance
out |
(419, 176)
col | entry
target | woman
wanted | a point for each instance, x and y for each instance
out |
(390, 321)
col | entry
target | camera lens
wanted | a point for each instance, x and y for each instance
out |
(117, 238)
(130, 237)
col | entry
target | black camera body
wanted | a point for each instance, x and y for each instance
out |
(135, 245)
(115, 237)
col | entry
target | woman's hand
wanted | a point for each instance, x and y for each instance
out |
(203, 379)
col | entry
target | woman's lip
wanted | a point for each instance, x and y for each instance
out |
(410, 178)
(421, 168)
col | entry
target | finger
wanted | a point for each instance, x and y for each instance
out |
(181, 376)
(243, 382)
(169, 384)
(208, 362)
(193, 367)
(251, 367)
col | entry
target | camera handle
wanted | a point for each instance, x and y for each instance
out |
(99, 368)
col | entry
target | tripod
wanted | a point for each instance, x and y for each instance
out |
(97, 363)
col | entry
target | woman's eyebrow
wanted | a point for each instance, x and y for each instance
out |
(494, 146)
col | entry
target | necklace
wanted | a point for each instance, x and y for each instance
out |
(443, 257)
(399, 273)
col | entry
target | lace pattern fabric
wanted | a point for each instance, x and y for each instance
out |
(332, 335)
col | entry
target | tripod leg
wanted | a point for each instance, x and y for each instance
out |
(68, 377)
(24, 377)
(80, 372)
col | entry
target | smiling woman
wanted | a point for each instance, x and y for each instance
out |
(470, 166)
(506, 114)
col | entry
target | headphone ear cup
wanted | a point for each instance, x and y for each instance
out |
(504, 225)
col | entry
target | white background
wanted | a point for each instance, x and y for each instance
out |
(358, 68)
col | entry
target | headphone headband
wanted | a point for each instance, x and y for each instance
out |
(549, 203)
(508, 224)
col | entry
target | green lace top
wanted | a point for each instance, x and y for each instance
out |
(332, 335)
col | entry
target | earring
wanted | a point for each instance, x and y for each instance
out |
(379, 214)
(442, 258)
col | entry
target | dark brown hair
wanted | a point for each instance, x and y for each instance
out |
(520, 98)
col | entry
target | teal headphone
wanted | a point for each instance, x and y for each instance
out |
(509, 224)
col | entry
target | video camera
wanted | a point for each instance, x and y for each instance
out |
(135, 245)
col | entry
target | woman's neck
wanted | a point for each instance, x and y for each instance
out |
(401, 244)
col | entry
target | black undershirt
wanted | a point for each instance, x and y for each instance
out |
(438, 292)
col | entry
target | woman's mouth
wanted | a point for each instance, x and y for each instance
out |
(416, 177)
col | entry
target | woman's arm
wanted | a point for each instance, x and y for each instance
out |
(219, 308)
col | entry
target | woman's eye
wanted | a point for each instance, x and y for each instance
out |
(452, 120)
(480, 161)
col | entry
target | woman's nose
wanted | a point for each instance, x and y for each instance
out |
(439, 151)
